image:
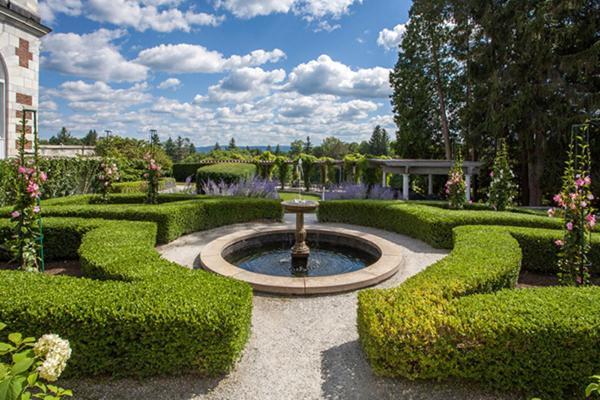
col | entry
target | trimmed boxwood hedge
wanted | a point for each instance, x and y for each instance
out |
(460, 317)
(432, 225)
(184, 170)
(226, 172)
(176, 216)
(141, 186)
(140, 315)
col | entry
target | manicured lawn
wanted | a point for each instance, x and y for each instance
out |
(292, 196)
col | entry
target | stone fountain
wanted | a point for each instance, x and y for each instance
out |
(300, 250)
(298, 206)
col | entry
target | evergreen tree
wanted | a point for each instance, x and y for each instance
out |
(154, 138)
(379, 144)
(232, 145)
(170, 148)
(308, 148)
(91, 138)
(277, 150)
(217, 147)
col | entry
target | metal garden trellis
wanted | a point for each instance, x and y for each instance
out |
(36, 159)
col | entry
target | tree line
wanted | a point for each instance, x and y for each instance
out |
(471, 73)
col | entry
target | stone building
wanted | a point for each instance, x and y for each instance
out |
(20, 33)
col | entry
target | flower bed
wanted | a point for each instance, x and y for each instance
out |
(460, 317)
(140, 315)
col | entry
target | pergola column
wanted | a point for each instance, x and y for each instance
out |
(468, 184)
(384, 179)
(430, 185)
(405, 186)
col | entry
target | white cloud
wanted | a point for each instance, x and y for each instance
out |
(171, 83)
(91, 55)
(326, 26)
(49, 8)
(391, 39)
(309, 9)
(331, 77)
(244, 84)
(189, 58)
(253, 8)
(141, 17)
(99, 96)
(158, 15)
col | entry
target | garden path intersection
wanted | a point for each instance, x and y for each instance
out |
(300, 347)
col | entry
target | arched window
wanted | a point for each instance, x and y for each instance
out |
(3, 138)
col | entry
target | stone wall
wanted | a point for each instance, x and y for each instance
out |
(48, 150)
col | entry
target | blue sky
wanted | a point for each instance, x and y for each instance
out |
(262, 71)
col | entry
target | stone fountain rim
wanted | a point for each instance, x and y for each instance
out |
(392, 258)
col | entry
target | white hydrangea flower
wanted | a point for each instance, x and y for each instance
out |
(56, 352)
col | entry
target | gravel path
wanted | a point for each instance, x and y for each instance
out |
(300, 348)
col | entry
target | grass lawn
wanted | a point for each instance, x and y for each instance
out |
(292, 196)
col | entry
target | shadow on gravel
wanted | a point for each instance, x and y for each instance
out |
(183, 387)
(346, 375)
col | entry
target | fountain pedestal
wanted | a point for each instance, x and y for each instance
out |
(300, 250)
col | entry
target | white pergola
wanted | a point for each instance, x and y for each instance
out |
(406, 168)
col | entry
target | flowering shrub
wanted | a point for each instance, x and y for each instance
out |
(502, 189)
(108, 174)
(25, 364)
(152, 176)
(574, 203)
(456, 189)
(26, 246)
(255, 187)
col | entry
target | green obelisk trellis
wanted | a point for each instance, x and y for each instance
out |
(36, 159)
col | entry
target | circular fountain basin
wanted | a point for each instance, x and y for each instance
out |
(340, 260)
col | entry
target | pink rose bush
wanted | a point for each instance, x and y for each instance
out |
(455, 188)
(26, 242)
(574, 204)
(152, 176)
(108, 175)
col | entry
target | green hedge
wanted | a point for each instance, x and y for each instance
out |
(141, 315)
(184, 170)
(176, 216)
(141, 186)
(432, 225)
(460, 318)
(228, 173)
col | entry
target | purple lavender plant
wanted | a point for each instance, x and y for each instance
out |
(255, 187)
(379, 192)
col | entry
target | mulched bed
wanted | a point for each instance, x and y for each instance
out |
(69, 268)
(529, 279)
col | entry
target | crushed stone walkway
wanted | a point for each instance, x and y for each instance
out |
(300, 347)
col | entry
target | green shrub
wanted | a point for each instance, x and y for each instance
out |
(140, 315)
(184, 170)
(140, 186)
(176, 216)
(66, 176)
(226, 172)
(432, 225)
(459, 318)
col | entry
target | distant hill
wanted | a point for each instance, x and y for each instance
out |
(206, 149)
